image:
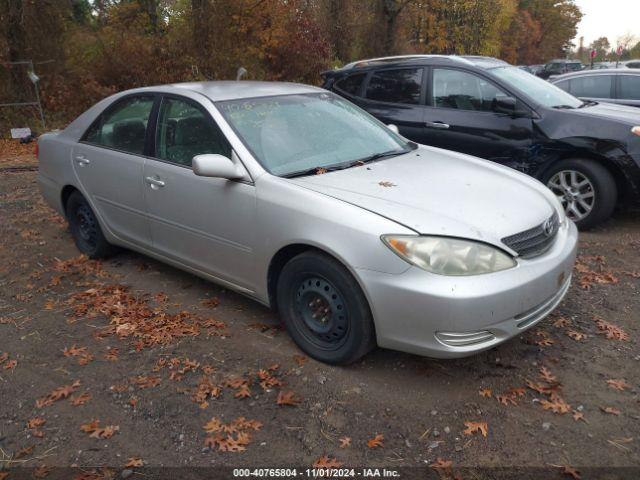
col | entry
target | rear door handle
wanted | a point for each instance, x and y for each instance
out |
(439, 125)
(154, 182)
(82, 160)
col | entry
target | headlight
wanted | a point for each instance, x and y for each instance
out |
(449, 256)
(636, 131)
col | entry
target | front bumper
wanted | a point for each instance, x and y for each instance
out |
(447, 317)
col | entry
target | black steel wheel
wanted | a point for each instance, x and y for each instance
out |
(85, 228)
(324, 309)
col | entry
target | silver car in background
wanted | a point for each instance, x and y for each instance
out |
(297, 198)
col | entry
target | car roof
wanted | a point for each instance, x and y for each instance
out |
(418, 59)
(564, 60)
(600, 71)
(231, 90)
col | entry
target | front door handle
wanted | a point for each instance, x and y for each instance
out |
(155, 183)
(439, 125)
(82, 161)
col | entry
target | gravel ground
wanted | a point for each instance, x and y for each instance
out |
(167, 363)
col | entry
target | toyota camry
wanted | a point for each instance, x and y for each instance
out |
(297, 198)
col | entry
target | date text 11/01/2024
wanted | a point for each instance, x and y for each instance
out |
(316, 472)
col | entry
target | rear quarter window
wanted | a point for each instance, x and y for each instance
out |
(351, 84)
(396, 86)
(629, 87)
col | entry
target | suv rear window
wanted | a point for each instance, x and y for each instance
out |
(351, 84)
(396, 86)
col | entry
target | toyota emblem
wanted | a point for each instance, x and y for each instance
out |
(548, 227)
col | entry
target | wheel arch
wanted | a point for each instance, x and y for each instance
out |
(286, 253)
(622, 182)
(66, 192)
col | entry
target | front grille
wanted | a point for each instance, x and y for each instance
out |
(536, 240)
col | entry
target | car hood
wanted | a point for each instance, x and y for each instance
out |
(434, 191)
(611, 111)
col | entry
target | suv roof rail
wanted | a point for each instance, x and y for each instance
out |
(369, 61)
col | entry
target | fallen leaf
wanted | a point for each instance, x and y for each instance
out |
(561, 322)
(556, 404)
(327, 462)
(287, 398)
(57, 394)
(42, 471)
(345, 442)
(243, 391)
(143, 381)
(571, 472)
(611, 410)
(578, 416)
(229, 443)
(210, 302)
(376, 442)
(300, 360)
(10, 365)
(36, 422)
(547, 376)
(112, 354)
(387, 184)
(81, 399)
(476, 427)
(134, 462)
(442, 465)
(95, 431)
(577, 336)
(485, 392)
(611, 331)
(618, 384)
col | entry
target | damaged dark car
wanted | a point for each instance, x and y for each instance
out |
(587, 153)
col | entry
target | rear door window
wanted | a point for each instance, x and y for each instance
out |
(396, 86)
(122, 126)
(351, 84)
(629, 87)
(594, 86)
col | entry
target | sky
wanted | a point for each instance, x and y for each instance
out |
(608, 18)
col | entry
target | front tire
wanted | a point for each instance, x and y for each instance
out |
(85, 228)
(586, 189)
(324, 309)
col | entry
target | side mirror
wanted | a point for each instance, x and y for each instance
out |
(393, 128)
(217, 166)
(504, 104)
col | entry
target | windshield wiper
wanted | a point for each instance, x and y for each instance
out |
(588, 103)
(341, 166)
(568, 107)
(378, 156)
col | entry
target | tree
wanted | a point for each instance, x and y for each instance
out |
(602, 48)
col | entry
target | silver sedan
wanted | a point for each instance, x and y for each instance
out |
(299, 199)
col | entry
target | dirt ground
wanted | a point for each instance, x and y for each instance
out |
(168, 387)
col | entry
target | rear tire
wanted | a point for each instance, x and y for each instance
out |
(586, 189)
(85, 228)
(324, 309)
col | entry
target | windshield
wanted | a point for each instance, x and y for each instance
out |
(295, 133)
(538, 89)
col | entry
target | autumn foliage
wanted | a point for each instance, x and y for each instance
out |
(86, 50)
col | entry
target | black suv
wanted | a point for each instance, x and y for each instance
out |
(560, 67)
(587, 153)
